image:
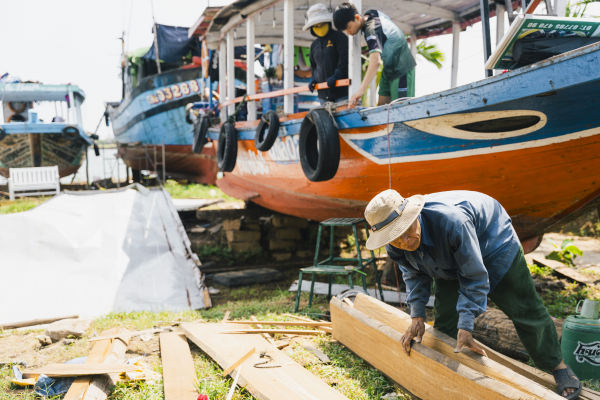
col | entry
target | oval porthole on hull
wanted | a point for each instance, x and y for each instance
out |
(498, 125)
(487, 125)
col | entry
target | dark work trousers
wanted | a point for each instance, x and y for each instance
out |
(515, 295)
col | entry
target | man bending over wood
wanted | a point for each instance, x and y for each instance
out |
(465, 245)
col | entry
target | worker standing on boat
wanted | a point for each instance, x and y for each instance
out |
(465, 245)
(387, 44)
(328, 54)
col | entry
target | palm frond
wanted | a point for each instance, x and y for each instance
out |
(431, 53)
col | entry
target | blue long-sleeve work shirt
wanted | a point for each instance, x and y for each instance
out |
(466, 236)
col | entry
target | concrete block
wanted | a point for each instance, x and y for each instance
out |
(248, 277)
(244, 246)
(232, 224)
(252, 226)
(278, 244)
(282, 256)
(67, 327)
(286, 221)
(287, 233)
(243, 236)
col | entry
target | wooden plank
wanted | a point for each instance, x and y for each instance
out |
(69, 370)
(96, 355)
(426, 373)
(566, 271)
(322, 327)
(236, 364)
(282, 331)
(179, 374)
(33, 322)
(234, 384)
(290, 382)
(127, 335)
(226, 316)
(283, 92)
(259, 326)
(438, 341)
(283, 323)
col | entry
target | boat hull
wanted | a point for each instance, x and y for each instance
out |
(153, 115)
(544, 169)
(41, 150)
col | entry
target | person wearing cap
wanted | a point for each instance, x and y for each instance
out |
(464, 245)
(328, 54)
(387, 45)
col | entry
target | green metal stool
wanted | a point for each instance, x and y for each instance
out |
(326, 267)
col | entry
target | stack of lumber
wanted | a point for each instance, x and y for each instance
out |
(373, 330)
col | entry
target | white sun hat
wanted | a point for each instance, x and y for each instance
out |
(390, 215)
(317, 14)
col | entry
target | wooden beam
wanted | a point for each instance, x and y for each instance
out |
(96, 355)
(126, 335)
(438, 341)
(33, 322)
(223, 77)
(290, 381)
(69, 370)
(259, 326)
(565, 271)
(455, 46)
(354, 51)
(236, 364)
(230, 72)
(276, 93)
(284, 323)
(272, 331)
(426, 373)
(288, 54)
(179, 373)
(250, 55)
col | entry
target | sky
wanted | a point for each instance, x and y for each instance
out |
(75, 41)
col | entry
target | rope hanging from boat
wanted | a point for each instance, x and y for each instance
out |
(233, 116)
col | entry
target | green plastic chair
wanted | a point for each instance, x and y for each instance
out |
(326, 267)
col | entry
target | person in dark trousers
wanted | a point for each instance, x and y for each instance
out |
(464, 245)
(328, 54)
(387, 45)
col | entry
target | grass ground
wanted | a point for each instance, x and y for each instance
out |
(22, 204)
(195, 191)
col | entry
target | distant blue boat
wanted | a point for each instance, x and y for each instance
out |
(26, 141)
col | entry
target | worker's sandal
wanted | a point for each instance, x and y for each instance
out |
(566, 378)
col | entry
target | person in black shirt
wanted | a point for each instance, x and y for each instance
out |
(328, 54)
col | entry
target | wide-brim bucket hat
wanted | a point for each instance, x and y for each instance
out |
(390, 215)
(317, 14)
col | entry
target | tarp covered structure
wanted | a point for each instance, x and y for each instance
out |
(90, 253)
(173, 44)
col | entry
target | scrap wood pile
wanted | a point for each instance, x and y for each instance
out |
(246, 350)
(373, 330)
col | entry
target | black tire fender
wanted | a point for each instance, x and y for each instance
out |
(201, 126)
(2, 133)
(70, 132)
(269, 123)
(319, 146)
(228, 147)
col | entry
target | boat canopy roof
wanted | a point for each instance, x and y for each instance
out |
(38, 92)
(423, 18)
(173, 44)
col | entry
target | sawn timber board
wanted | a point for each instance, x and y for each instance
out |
(438, 341)
(426, 373)
(290, 382)
(179, 374)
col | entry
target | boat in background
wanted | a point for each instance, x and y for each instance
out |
(27, 141)
(530, 137)
(153, 111)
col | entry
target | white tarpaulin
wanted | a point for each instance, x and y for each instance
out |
(93, 252)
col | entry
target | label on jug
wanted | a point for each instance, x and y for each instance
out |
(589, 352)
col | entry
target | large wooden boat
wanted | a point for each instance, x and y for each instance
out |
(529, 138)
(27, 141)
(153, 110)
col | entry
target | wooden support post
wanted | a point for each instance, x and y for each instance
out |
(250, 85)
(288, 54)
(509, 10)
(223, 78)
(500, 12)
(230, 72)
(560, 7)
(455, 43)
(413, 44)
(373, 93)
(354, 72)
(484, 6)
